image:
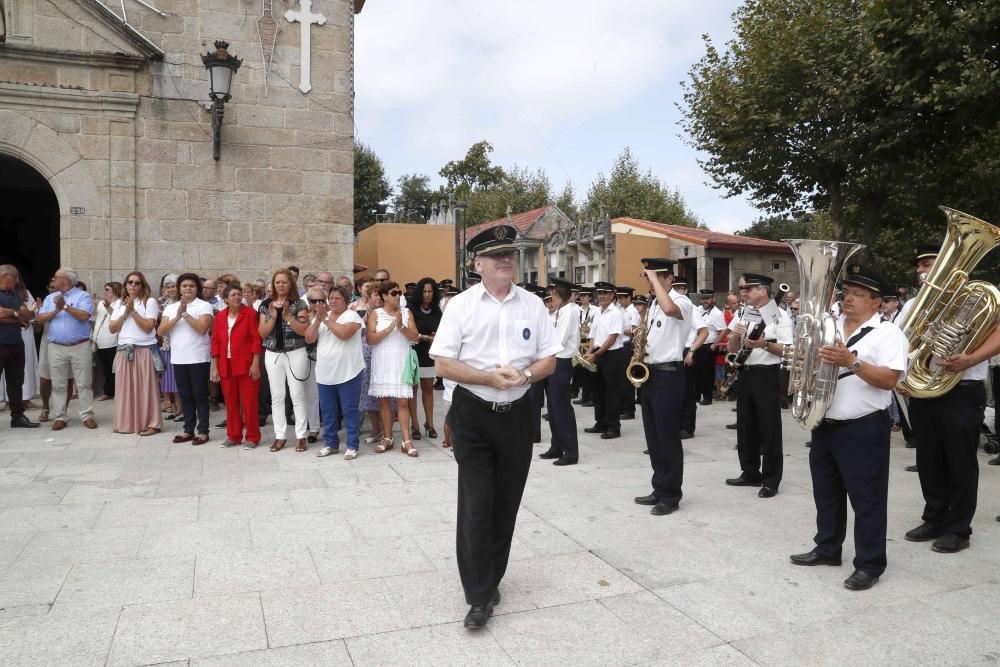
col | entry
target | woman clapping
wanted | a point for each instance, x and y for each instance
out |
(236, 352)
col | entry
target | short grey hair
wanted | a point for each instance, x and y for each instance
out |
(170, 279)
(72, 275)
(8, 270)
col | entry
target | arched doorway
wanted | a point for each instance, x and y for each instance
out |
(29, 223)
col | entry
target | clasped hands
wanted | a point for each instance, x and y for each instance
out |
(505, 376)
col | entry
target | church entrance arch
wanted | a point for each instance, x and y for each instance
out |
(29, 223)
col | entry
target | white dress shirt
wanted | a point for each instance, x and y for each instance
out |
(715, 321)
(777, 328)
(697, 324)
(608, 321)
(482, 332)
(632, 318)
(885, 346)
(667, 335)
(566, 323)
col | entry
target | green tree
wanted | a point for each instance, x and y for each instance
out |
(630, 193)
(521, 189)
(413, 195)
(779, 227)
(473, 172)
(371, 186)
(566, 201)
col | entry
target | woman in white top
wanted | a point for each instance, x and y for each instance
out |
(390, 332)
(137, 388)
(106, 343)
(188, 323)
(340, 367)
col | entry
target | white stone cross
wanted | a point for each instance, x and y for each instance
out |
(306, 18)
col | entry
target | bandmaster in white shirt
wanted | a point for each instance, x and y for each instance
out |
(607, 321)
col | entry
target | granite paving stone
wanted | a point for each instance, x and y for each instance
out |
(228, 506)
(77, 546)
(145, 511)
(195, 538)
(368, 558)
(447, 644)
(432, 598)
(327, 654)
(226, 572)
(66, 635)
(129, 581)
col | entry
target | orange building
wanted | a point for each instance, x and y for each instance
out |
(408, 251)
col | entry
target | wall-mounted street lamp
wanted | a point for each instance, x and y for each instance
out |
(221, 67)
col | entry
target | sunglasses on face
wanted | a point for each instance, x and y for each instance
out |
(317, 300)
(394, 292)
(134, 282)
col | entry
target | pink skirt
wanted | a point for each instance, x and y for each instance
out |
(137, 393)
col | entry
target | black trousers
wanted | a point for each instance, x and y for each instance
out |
(608, 390)
(192, 385)
(995, 380)
(947, 432)
(852, 461)
(689, 399)
(758, 425)
(493, 451)
(562, 420)
(12, 366)
(661, 418)
(536, 397)
(628, 391)
(704, 364)
(106, 355)
(264, 393)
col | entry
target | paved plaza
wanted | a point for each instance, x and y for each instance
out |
(120, 550)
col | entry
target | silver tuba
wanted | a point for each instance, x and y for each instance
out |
(812, 383)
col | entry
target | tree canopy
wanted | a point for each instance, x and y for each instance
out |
(371, 186)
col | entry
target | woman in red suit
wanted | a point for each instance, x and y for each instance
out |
(236, 352)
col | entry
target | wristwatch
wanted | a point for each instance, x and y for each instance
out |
(527, 376)
(856, 366)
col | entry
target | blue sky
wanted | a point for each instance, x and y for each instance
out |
(562, 85)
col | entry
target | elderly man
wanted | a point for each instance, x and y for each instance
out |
(210, 293)
(348, 284)
(67, 312)
(13, 316)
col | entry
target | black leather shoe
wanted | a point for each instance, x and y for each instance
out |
(912, 468)
(611, 435)
(742, 481)
(860, 581)
(586, 404)
(813, 558)
(627, 417)
(911, 443)
(662, 509)
(924, 532)
(479, 614)
(564, 461)
(593, 429)
(708, 402)
(549, 455)
(767, 492)
(646, 500)
(950, 543)
(686, 435)
(21, 421)
(731, 427)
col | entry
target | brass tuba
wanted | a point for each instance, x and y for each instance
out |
(952, 314)
(636, 371)
(811, 382)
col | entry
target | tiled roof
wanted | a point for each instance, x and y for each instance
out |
(708, 238)
(521, 221)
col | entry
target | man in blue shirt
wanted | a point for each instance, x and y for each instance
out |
(68, 311)
(13, 316)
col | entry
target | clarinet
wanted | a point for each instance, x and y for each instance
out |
(736, 360)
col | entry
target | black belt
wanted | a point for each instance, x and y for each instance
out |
(969, 383)
(837, 423)
(79, 342)
(760, 367)
(492, 406)
(668, 366)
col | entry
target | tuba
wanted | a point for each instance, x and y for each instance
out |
(811, 382)
(952, 314)
(584, 346)
(636, 371)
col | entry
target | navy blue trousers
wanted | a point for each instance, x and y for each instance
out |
(192, 385)
(852, 462)
(661, 422)
(562, 419)
(758, 425)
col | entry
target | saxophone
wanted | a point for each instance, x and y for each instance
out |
(811, 382)
(583, 348)
(952, 315)
(636, 371)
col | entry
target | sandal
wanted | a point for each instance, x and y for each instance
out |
(301, 445)
(278, 445)
(408, 449)
(149, 431)
(373, 438)
(431, 433)
(383, 446)
(415, 433)
(350, 454)
(43, 416)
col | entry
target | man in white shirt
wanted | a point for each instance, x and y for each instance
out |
(758, 409)
(493, 341)
(692, 345)
(849, 457)
(583, 380)
(566, 326)
(668, 326)
(632, 323)
(704, 360)
(607, 353)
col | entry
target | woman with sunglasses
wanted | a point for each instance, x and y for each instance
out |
(315, 296)
(391, 330)
(137, 388)
(282, 327)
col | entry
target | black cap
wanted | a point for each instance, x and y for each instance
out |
(624, 290)
(756, 279)
(556, 281)
(603, 287)
(706, 292)
(473, 276)
(451, 289)
(410, 285)
(493, 240)
(923, 251)
(640, 298)
(658, 264)
(863, 276)
(446, 282)
(680, 281)
(586, 291)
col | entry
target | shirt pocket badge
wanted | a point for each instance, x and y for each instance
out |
(523, 335)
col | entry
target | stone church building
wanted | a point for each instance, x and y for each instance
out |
(106, 137)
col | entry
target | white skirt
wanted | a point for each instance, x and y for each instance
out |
(30, 387)
(428, 373)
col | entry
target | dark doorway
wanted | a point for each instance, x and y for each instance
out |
(688, 268)
(29, 223)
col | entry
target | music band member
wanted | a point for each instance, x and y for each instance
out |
(923, 261)
(607, 352)
(668, 321)
(632, 323)
(696, 337)
(704, 360)
(758, 407)
(849, 457)
(946, 429)
(566, 331)
(489, 423)
(583, 380)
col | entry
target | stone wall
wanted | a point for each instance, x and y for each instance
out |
(125, 136)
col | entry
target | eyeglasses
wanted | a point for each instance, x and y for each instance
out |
(134, 282)
(793, 308)
(380, 280)
(317, 300)
(394, 292)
